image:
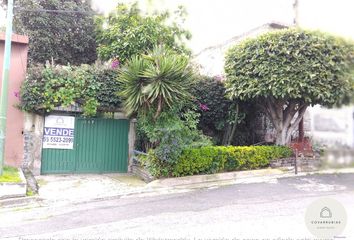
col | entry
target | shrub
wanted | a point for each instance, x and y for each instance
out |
(169, 135)
(154, 165)
(220, 115)
(213, 159)
(93, 87)
(220, 158)
(200, 160)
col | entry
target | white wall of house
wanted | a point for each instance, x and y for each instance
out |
(332, 127)
(211, 60)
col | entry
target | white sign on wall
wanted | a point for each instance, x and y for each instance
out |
(58, 132)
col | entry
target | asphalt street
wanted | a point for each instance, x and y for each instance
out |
(270, 210)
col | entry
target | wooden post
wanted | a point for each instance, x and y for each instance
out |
(296, 153)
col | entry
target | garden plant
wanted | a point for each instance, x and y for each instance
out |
(286, 71)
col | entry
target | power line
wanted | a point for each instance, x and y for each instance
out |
(54, 11)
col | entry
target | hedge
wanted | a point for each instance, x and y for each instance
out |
(93, 87)
(214, 159)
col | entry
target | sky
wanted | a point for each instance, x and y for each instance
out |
(214, 21)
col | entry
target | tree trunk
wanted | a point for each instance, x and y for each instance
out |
(226, 135)
(230, 129)
(159, 108)
(285, 117)
(301, 130)
(234, 125)
(280, 137)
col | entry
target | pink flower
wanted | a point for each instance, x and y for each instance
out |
(115, 63)
(17, 94)
(203, 107)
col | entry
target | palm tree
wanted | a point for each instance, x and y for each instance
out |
(155, 81)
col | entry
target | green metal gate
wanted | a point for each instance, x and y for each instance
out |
(100, 146)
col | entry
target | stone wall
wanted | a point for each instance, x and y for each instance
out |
(332, 158)
(262, 127)
(310, 164)
(142, 173)
(304, 164)
(131, 142)
(32, 134)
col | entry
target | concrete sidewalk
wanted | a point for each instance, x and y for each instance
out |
(86, 187)
(74, 189)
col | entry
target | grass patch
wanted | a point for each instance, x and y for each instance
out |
(10, 175)
(29, 192)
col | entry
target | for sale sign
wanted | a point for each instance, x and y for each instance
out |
(59, 132)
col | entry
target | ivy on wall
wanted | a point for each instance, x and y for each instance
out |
(94, 88)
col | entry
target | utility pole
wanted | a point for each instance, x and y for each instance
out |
(296, 24)
(5, 81)
(296, 13)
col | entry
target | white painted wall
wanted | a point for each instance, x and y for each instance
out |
(332, 127)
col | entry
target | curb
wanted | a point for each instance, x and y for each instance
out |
(14, 189)
(218, 177)
(18, 202)
(334, 171)
(239, 177)
(183, 184)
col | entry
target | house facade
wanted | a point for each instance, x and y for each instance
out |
(210, 61)
(61, 141)
(15, 117)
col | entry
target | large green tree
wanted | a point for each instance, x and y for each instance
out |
(128, 31)
(59, 30)
(288, 70)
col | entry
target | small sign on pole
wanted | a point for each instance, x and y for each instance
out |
(59, 132)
